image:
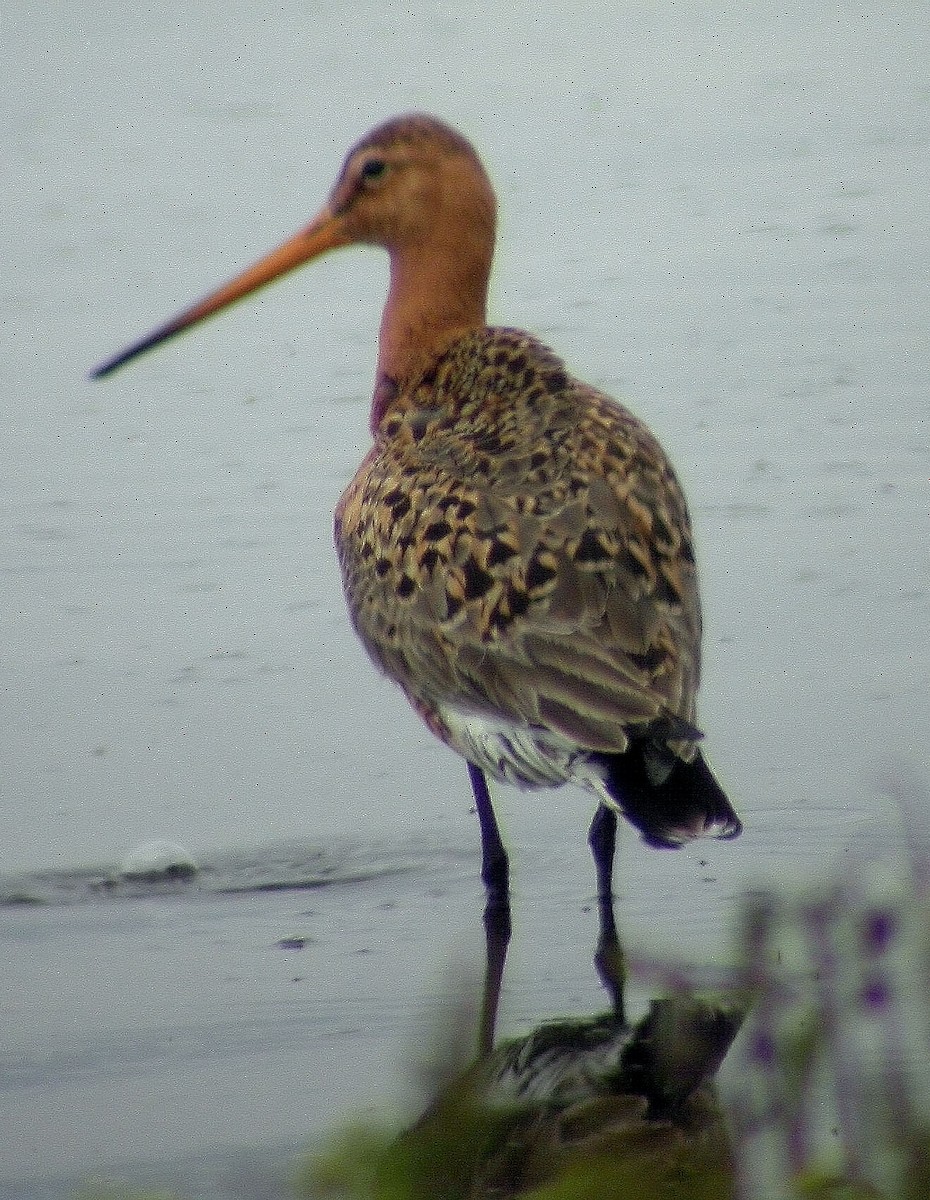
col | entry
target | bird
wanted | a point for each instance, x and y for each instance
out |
(516, 549)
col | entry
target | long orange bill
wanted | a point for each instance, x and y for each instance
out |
(325, 232)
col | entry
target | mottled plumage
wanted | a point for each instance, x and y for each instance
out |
(516, 554)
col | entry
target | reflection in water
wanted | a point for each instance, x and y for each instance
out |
(592, 1108)
(826, 1096)
(608, 958)
(613, 1109)
(619, 1108)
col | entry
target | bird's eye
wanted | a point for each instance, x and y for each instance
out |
(373, 169)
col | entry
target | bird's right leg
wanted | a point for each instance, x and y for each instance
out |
(608, 959)
(495, 874)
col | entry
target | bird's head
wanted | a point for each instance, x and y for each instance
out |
(413, 185)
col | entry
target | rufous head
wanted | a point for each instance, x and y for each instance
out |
(408, 179)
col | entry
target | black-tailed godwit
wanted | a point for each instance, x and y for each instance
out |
(516, 550)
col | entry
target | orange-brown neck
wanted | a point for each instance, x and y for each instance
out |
(430, 302)
(431, 298)
(438, 284)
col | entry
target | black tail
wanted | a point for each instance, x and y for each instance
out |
(686, 803)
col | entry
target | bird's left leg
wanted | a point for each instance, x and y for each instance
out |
(495, 874)
(608, 959)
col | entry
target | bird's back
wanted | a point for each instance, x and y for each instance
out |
(517, 545)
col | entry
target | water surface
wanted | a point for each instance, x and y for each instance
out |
(718, 212)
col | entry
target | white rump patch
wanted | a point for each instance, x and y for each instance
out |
(527, 756)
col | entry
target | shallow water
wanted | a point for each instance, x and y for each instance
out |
(192, 1021)
(174, 1032)
(718, 213)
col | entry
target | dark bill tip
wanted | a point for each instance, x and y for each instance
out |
(137, 348)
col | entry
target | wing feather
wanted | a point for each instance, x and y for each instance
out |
(525, 551)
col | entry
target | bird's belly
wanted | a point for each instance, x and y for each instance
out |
(527, 756)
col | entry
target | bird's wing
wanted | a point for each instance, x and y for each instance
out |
(548, 578)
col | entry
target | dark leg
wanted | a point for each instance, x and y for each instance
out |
(602, 838)
(495, 874)
(608, 959)
(495, 871)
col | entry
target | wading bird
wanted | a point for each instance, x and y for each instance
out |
(515, 548)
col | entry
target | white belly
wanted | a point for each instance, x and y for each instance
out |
(529, 757)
